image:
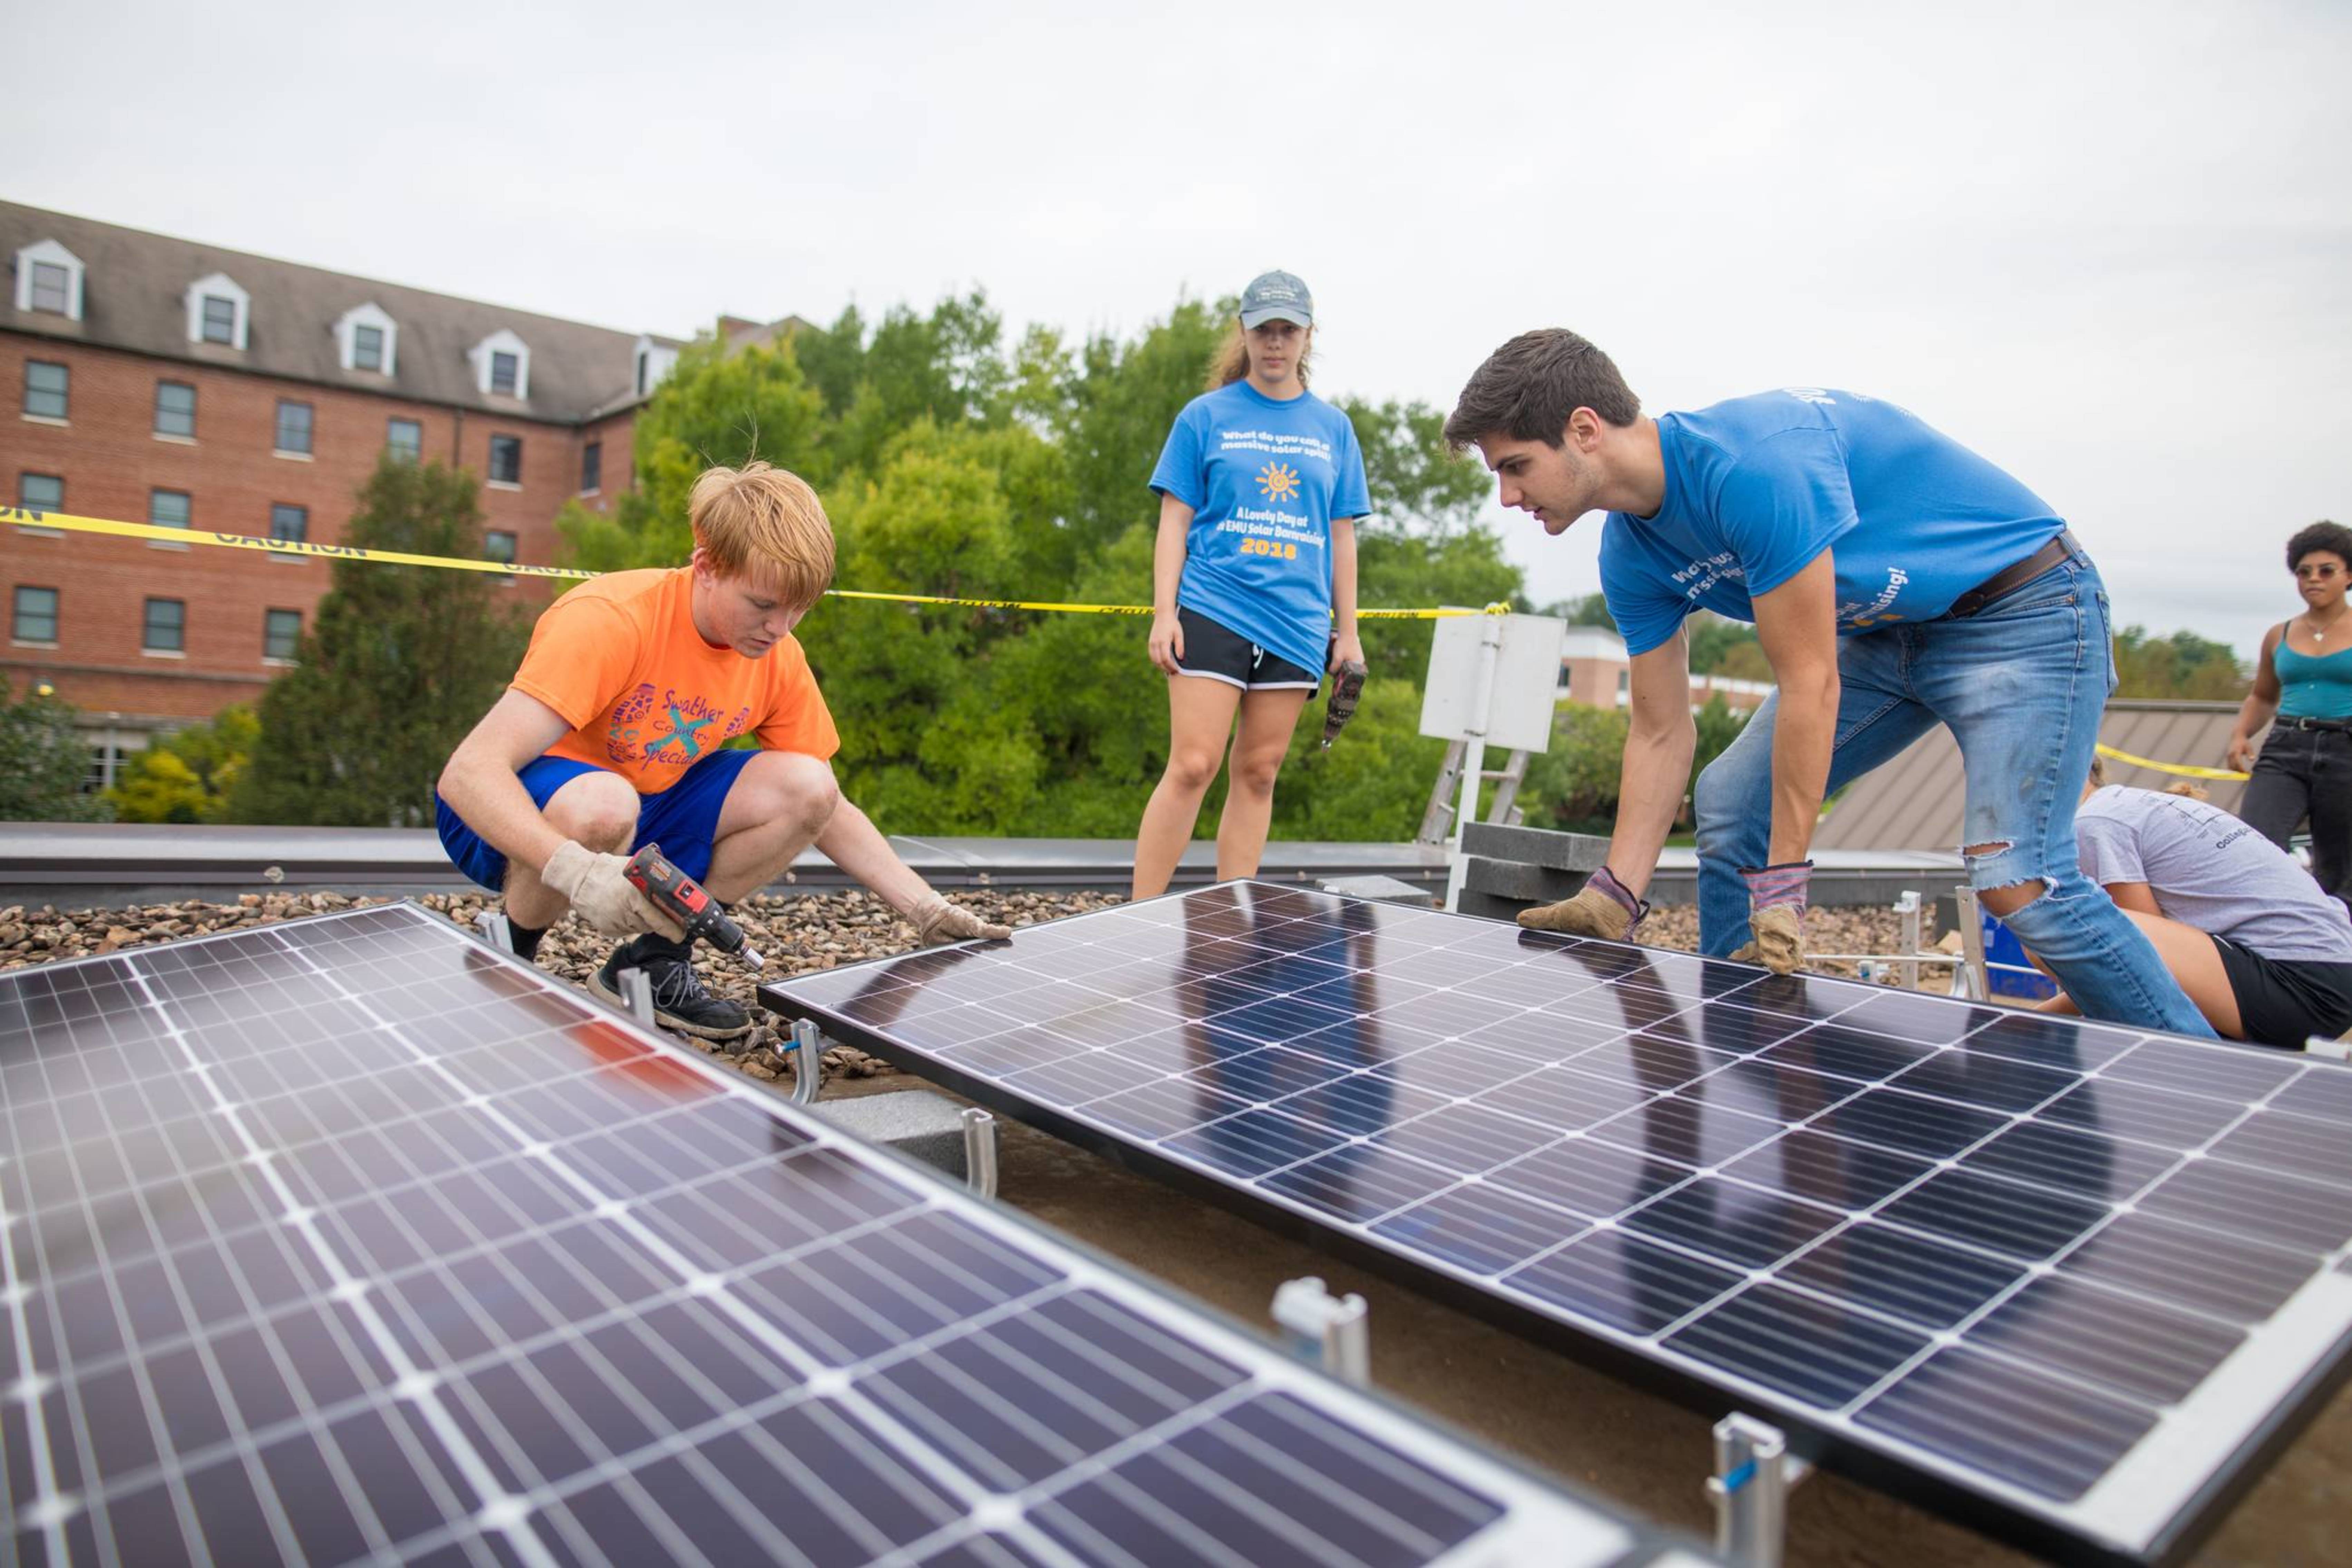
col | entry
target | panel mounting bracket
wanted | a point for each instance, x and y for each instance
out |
(494, 929)
(1749, 1488)
(808, 1061)
(978, 1152)
(637, 994)
(1332, 1332)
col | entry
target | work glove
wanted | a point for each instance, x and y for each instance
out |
(1604, 907)
(936, 920)
(1776, 921)
(602, 894)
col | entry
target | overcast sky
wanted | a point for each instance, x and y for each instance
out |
(2108, 245)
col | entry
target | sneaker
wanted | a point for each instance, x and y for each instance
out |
(680, 1002)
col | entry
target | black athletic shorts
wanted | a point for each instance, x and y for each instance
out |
(1215, 650)
(2286, 1001)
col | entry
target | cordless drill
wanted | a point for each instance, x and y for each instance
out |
(681, 898)
(1340, 705)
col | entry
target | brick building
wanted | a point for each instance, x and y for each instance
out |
(158, 380)
(1594, 670)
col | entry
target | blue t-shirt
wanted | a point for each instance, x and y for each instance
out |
(1757, 486)
(1265, 479)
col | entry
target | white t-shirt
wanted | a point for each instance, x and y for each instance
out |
(2209, 870)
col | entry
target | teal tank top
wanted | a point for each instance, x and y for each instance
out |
(2312, 685)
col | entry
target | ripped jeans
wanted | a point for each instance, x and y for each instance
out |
(2022, 684)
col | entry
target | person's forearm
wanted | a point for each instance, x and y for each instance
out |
(2252, 713)
(1343, 577)
(1650, 787)
(853, 842)
(1803, 735)
(490, 799)
(1168, 563)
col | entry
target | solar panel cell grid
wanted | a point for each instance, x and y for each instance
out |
(349, 1240)
(1923, 1227)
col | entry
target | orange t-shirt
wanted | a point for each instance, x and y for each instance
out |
(618, 657)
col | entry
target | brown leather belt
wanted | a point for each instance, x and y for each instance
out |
(2010, 579)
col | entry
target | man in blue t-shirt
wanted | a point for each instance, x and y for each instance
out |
(1896, 581)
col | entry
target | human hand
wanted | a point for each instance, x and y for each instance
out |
(598, 887)
(1604, 907)
(2241, 754)
(936, 920)
(1166, 642)
(1346, 650)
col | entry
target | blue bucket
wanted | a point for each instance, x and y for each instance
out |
(2001, 946)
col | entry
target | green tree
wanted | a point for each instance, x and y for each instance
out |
(1415, 483)
(43, 760)
(399, 663)
(187, 777)
(2183, 666)
(1712, 639)
(1592, 610)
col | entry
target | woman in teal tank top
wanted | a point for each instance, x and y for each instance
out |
(2304, 679)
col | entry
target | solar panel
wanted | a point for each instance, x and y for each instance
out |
(349, 1239)
(2063, 1282)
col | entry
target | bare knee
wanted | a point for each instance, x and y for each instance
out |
(1255, 775)
(598, 809)
(796, 791)
(1191, 770)
(2003, 898)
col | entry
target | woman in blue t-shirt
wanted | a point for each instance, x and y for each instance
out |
(1260, 485)
(2304, 677)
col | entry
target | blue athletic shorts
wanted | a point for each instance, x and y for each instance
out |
(683, 818)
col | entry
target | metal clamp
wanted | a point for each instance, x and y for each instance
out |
(978, 1152)
(808, 1061)
(1971, 980)
(1749, 1488)
(2320, 1045)
(637, 995)
(1332, 1332)
(1907, 911)
(494, 929)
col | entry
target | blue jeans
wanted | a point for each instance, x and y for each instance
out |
(2022, 684)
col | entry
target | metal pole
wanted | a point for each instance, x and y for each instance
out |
(808, 1064)
(1753, 1473)
(1972, 944)
(1906, 908)
(978, 1151)
(1482, 701)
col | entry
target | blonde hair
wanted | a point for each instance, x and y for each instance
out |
(2098, 771)
(2189, 789)
(763, 522)
(1230, 363)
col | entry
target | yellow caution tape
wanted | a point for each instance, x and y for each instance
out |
(27, 518)
(2183, 770)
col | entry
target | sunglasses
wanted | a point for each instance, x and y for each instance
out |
(2320, 570)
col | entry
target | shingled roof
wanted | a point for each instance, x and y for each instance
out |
(134, 296)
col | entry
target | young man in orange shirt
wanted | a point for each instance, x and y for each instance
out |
(611, 736)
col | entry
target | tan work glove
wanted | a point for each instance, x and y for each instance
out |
(601, 894)
(1603, 907)
(1776, 924)
(936, 920)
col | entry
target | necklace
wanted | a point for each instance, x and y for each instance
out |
(2319, 633)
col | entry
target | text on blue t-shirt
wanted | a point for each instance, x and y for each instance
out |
(1757, 486)
(1265, 479)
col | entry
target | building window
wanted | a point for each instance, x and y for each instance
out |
(504, 368)
(281, 634)
(499, 545)
(404, 439)
(41, 493)
(592, 467)
(52, 289)
(220, 319)
(167, 626)
(506, 459)
(293, 427)
(367, 348)
(46, 389)
(366, 338)
(36, 619)
(289, 525)
(168, 509)
(175, 408)
(105, 767)
(501, 364)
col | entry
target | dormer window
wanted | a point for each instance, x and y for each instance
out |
(502, 366)
(218, 311)
(653, 363)
(48, 279)
(368, 339)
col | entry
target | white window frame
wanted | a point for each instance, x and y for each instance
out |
(501, 341)
(650, 367)
(220, 286)
(54, 255)
(347, 338)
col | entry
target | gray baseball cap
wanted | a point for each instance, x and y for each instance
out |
(1276, 296)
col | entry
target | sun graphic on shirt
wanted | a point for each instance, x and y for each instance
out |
(1279, 481)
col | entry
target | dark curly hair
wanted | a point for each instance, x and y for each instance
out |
(2333, 538)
